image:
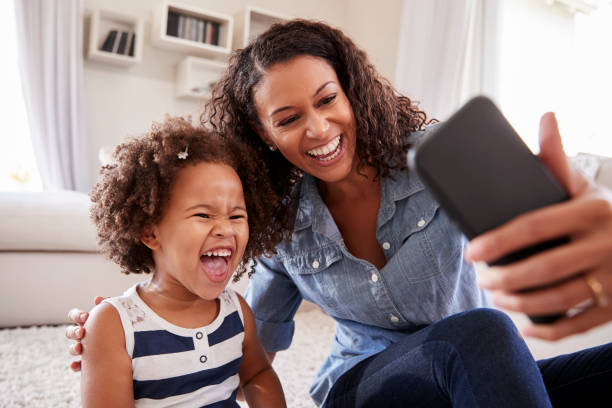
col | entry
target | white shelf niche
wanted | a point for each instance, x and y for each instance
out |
(102, 22)
(196, 76)
(252, 21)
(161, 38)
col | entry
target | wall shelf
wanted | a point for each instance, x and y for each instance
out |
(115, 38)
(252, 21)
(195, 77)
(185, 28)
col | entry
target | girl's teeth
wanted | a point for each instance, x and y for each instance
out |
(218, 253)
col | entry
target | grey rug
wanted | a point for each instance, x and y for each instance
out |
(34, 364)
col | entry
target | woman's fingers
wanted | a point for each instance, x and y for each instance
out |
(550, 266)
(75, 366)
(77, 316)
(75, 332)
(552, 153)
(546, 301)
(565, 219)
(76, 349)
(579, 323)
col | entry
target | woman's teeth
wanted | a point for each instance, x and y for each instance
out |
(219, 252)
(321, 152)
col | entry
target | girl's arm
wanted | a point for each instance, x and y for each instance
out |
(106, 379)
(258, 381)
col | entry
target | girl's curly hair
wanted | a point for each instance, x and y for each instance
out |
(133, 191)
(383, 117)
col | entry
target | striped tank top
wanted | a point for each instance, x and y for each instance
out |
(175, 366)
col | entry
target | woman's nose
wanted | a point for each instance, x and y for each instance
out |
(317, 126)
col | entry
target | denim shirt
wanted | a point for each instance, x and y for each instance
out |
(425, 279)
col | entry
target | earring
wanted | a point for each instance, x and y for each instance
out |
(272, 148)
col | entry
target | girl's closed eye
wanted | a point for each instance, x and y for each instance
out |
(202, 215)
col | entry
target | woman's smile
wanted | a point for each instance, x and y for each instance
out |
(329, 153)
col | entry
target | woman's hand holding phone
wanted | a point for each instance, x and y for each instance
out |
(585, 262)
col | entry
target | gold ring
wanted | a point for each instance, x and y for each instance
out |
(597, 288)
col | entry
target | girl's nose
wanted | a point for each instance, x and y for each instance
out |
(222, 228)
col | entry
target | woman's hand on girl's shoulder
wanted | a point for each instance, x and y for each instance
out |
(106, 367)
(574, 273)
(76, 332)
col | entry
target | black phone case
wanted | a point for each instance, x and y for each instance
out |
(483, 175)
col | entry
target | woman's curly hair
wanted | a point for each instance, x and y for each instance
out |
(383, 117)
(133, 191)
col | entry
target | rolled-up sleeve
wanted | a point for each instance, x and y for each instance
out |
(274, 299)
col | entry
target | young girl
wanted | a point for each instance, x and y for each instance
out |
(173, 204)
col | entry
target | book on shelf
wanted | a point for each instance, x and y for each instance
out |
(192, 28)
(201, 26)
(209, 33)
(173, 24)
(122, 42)
(180, 32)
(193, 34)
(119, 42)
(187, 33)
(132, 44)
(215, 39)
(109, 41)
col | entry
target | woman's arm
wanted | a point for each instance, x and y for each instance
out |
(578, 271)
(258, 381)
(106, 379)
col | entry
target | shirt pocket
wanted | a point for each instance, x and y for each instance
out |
(421, 234)
(317, 272)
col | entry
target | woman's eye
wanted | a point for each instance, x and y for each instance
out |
(327, 100)
(288, 120)
(202, 215)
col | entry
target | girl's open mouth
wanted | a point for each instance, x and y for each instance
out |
(216, 264)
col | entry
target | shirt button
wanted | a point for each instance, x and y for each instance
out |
(394, 319)
(199, 335)
(203, 359)
(374, 277)
(421, 223)
(386, 245)
(315, 264)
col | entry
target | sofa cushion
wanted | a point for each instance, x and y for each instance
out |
(596, 167)
(604, 175)
(46, 221)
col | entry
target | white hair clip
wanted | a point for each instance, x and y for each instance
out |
(183, 155)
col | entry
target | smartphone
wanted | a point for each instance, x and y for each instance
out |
(483, 175)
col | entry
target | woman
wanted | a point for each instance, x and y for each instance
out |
(369, 245)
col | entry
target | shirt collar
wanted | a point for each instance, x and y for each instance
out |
(313, 211)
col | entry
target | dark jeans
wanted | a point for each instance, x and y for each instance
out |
(474, 359)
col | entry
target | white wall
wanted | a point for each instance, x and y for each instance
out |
(122, 102)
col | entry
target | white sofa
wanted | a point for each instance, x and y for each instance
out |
(49, 261)
(48, 258)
